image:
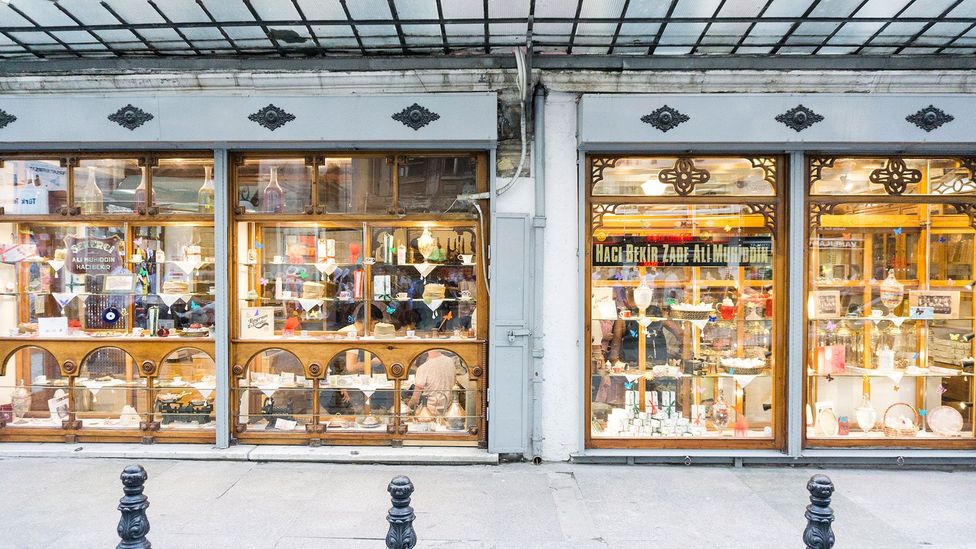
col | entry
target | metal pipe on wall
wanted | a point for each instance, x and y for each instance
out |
(538, 246)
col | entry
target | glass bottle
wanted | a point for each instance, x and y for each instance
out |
(140, 194)
(273, 197)
(89, 197)
(205, 196)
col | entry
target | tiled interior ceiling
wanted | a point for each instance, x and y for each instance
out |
(40, 29)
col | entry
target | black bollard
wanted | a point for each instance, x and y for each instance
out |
(817, 534)
(400, 517)
(134, 524)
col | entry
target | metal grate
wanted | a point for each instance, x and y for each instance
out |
(44, 29)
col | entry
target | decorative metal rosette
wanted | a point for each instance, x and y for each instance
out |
(6, 118)
(799, 118)
(665, 118)
(272, 117)
(930, 118)
(130, 117)
(416, 116)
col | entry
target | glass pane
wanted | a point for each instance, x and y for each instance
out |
(356, 395)
(356, 185)
(275, 396)
(433, 183)
(300, 281)
(185, 385)
(673, 176)
(682, 322)
(108, 393)
(33, 187)
(109, 186)
(281, 185)
(424, 282)
(439, 396)
(74, 280)
(174, 269)
(33, 393)
(184, 185)
(891, 176)
(890, 323)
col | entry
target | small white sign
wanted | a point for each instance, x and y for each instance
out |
(257, 322)
(52, 326)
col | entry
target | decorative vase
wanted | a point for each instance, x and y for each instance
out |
(426, 244)
(642, 297)
(21, 400)
(866, 415)
(892, 292)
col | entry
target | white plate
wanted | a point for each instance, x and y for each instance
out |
(945, 421)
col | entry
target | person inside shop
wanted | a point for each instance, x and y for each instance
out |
(434, 381)
(352, 401)
(619, 341)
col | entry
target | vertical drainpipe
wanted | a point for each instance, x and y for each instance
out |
(538, 248)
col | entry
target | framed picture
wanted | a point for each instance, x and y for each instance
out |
(944, 304)
(120, 284)
(257, 322)
(58, 406)
(825, 304)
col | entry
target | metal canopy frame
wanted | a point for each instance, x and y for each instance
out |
(32, 29)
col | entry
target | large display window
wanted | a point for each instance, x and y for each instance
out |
(889, 308)
(685, 263)
(107, 297)
(360, 301)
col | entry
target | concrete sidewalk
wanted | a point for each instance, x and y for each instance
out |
(60, 503)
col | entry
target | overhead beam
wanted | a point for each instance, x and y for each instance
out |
(540, 61)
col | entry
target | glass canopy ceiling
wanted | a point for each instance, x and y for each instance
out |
(43, 29)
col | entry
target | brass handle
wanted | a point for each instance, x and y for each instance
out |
(154, 210)
(141, 211)
(63, 210)
(309, 209)
(76, 210)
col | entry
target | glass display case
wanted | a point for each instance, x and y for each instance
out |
(889, 308)
(355, 284)
(685, 264)
(101, 285)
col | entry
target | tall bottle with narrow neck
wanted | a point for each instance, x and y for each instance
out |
(89, 197)
(273, 197)
(140, 195)
(205, 196)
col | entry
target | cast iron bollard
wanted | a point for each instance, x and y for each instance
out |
(400, 517)
(818, 534)
(134, 524)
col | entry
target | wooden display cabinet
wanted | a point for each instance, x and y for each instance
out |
(344, 281)
(121, 240)
(632, 201)
(859, 349)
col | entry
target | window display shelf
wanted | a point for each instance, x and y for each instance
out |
(887, 375)
(669, 283)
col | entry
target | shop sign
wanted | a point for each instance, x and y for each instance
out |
(836, 243)
(689, 252)
(98, 256)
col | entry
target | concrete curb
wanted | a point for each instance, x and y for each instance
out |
(335, 454)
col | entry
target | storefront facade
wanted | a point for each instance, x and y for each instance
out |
(788, 278)
(681, 276)
(262, 278)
